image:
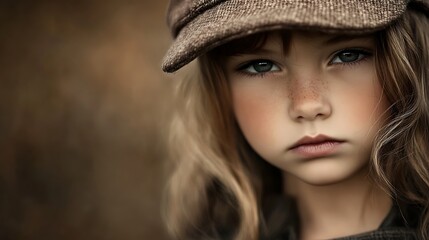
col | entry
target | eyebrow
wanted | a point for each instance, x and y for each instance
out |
(344, 38)
(258, 51)
(261, 50)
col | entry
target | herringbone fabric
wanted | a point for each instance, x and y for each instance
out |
(201, 25)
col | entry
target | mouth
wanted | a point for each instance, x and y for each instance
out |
(317, 146)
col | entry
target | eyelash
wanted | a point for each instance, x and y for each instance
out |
(242, 68)
(365, 55)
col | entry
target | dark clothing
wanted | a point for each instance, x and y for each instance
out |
(400, 223)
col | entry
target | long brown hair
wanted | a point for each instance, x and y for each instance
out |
(219, 181)
(401, 153)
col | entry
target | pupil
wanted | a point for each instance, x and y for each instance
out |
(349, 56)
(263, 66)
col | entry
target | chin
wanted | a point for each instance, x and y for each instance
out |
(323, 180)
(328, 173)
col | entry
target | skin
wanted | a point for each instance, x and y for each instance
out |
(322, 84)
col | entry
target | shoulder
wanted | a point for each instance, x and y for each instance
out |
(395, 233)
(400, 223)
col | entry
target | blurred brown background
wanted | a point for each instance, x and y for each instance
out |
(83, 113)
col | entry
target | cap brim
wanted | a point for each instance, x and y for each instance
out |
(238, 18)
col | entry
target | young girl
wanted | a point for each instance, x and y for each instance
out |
(304, 120)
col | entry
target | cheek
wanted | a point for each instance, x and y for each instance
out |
(364, 106)
(260, 114)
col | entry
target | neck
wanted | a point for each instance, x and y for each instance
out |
(346, 208)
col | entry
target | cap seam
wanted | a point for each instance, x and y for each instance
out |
(193, 13)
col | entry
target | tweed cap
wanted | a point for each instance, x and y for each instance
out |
(201, 25)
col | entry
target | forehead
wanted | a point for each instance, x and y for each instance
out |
(283, 40)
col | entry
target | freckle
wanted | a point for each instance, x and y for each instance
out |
(313, 89)
(290, 93)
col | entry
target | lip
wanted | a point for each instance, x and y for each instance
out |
(318, 146)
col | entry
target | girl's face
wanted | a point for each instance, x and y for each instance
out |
(312, 109)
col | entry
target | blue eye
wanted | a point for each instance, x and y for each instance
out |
(349, 56)
(260, 66)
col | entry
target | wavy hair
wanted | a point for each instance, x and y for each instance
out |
(219, 181)
(401, 151)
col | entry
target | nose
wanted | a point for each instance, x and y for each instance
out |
(309, 101)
